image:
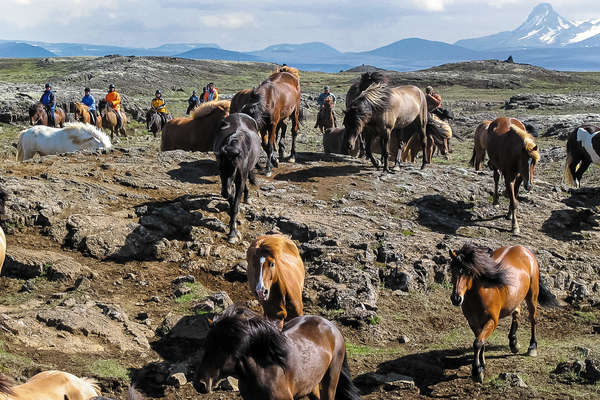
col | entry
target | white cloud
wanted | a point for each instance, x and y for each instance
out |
(229, 21)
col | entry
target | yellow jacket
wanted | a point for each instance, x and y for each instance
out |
(159, 105)
(114, 99)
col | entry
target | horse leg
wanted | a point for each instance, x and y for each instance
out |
(532, 303)
(585, 163)
(234, 206)
(295, 129)
(368, 152)
(512, 210)
(384, 151)
(496, 181)
(281, 144)
(478, 370)
(512, 335)
(425, 144)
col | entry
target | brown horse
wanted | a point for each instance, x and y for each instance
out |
(197, 132)
(325, 117)
(333, 143)
(38, 115)
(583, 146)
(513, 152)
(3, 197)
(492, 285)
(383, 109)
(82, 114)
(276, 99)
(276, 276)
(306, 358)
(480, 145)
(109, 118)
(50, 385)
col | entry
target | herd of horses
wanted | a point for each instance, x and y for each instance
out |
(284, 354)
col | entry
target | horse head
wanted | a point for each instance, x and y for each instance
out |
(462, 275)
(255, 108)
(36, 112)
(527, 162)
(354, 122)
(267, 274)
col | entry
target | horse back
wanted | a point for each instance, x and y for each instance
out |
(523, 273)
(407, 104)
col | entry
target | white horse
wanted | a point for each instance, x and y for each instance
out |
(74, 136)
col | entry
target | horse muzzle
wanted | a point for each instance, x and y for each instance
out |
(205, 385)
(456, 299)
(262, 293)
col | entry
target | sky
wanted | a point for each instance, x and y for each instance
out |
(243, 25)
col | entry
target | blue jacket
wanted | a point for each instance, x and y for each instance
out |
(48, 99)
(89, 101)
(323, 96)
(193, 100)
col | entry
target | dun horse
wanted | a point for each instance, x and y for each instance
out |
(237, 148)
(480, 145)
(50, 385)
(307, 358)
(109, 119)
(38, 115)
(325, 117)
(276, 99)
(276, 276)
(583, 146)
(82, 114)
(489, 286)
(513, 152)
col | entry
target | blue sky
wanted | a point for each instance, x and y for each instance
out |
(348, 25)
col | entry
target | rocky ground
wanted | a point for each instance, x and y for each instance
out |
(115, 261)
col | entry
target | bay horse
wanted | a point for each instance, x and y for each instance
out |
(583, 146)
(237, 148)
(384, 109)
(276, 276)
(513, 152)
(490, 285)
(155, 122)
(3, 198)
(325, 117)
(198, 131)
(480, 145)
(38, 115)
(277, 98)
(306, 358)
(109, 118)
(50, 385)
(82, 114)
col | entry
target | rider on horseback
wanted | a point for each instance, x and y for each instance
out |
(193, 102)
(321, 100)
(159, 105)
(114, 99)
(49, 101)
(89, 101)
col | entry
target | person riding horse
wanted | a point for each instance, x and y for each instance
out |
(89, 101)
(49, 101)
(212, 93)
(114, 99)
(160, 106)
(193, 102)
(321, 100)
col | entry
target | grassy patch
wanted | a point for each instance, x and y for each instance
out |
(9, 361)
(197, 292)
(359, 350)
(109, 369)
(587, 316)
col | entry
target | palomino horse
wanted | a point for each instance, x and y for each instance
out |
(513, 152)
(155, 122)
(276, 276)
(383, 109)
(38, 115)
(237, 148)
(325, 117)
(3, 197)
(109, 119)
(492, 285)
(276, 99)
(197, 132)
(50, 385)
(480, 145)
(307, 358)
(82, 114)
(583, 146)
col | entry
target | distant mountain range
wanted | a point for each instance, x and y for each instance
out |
(545, 39)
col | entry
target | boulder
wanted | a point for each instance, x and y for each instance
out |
(28, 263)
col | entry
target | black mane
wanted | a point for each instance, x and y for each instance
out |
(478, 262)
(369, 78)
(255, 107)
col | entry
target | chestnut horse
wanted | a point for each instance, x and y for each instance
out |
(583, 146)
(325, 117)
(480, 145)
(82, 114)
(3, 197)
(109, 118)
(276, 276)
(306, 358)
(276, 99)
(492, 285)
(50, 385)
(513, 152)
(38, 115)
(198, 131)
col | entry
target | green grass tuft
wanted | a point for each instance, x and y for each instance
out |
(109, 369)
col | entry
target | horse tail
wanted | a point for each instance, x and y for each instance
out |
(545, 297)
(473, 156)
(568, 176)
(6, 385)
(411, 148)
(346, 390)
(20, 148)
(133, 394)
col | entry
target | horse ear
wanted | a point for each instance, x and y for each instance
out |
(452, 253)
(210, 321)
(535, 148)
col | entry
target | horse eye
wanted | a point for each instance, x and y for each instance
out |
(272, 264)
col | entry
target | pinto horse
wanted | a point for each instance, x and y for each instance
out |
(490, 285)
(276, 276)
(513, 152)
(276, 99)
(50, 385)
(583, 146)
(109, 118)
(237, 148)
(325, 117)
(38, 115)
(82, 114)
(480, 145)
(307, 358)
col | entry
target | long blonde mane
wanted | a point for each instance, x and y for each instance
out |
(377, 95)
(528, 142)
(291, 70)
(205, 109)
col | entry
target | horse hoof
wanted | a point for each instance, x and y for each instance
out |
(292, 159)
(478, 375)
(268, 174)
(516, 231)
(396, 168)
(275, 162)
(515, 349)
(532, 352)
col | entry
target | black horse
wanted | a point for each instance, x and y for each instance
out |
(237, 148)
(156, 121)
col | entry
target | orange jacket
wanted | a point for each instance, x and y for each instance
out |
(114, 99)
(214, 97)
(433, 101)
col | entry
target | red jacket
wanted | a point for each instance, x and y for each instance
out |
(433, 101)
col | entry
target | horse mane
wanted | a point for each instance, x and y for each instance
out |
(377, 96)
(91, 129)
(528, 142)
(369, 78)
(6, 385)
(274, 245)
(93, 383)
(291, 70)
(478, 261)
(207, 108)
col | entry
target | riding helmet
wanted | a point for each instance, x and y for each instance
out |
(111, 86)
(87, 89)
(47, 85)
(157, 92)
